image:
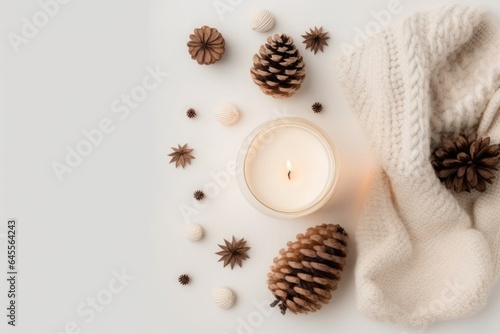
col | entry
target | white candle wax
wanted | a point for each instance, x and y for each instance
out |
(312, 167)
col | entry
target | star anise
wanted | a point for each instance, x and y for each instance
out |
(315, 39)
(234, 252)
(181, 155)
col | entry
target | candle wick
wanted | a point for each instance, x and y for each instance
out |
(289, 172)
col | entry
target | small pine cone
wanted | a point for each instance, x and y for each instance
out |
(317, 107)
(199, 195)
(184, 279)
(278, 69)
(191, 113)
(305, 274)
(466, 163)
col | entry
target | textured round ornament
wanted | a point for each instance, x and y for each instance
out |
(262, 20)
(278, 69)
(193, 232)
(227, 114)
(224, 297)
(305, 274)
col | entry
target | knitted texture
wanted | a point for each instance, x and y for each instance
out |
(425, 254)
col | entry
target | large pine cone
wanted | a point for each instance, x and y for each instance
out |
(466, 163)
(304, 275)
(206, 45)
(278, 69)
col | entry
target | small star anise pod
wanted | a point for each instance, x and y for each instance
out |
(317, 107)
(199, 195)
(466, 163)
(315, 39)
(181, 155)
(184, 279)
(234, 252)
(191, 113)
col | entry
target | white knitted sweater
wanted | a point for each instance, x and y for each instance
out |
(425, 253)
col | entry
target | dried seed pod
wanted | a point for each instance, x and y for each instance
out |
(191, 113)
(198, 195)
(317, 107)
(206, 45)
(184, 279)
(181, 155)
(315, 39)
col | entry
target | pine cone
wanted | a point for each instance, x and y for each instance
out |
(466, 163)
(278, 69)
(304, 275)
(206, 45)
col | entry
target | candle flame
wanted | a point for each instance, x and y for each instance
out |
(289, 167)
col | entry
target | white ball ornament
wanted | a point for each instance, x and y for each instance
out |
(261, 20)
(227, 114)
(224, 297)
(193, 232)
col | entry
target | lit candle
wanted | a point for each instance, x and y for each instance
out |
(282, 193)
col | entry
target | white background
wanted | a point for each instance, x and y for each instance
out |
(120, 209)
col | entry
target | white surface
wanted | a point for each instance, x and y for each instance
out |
(121, 207)
(75, 233)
